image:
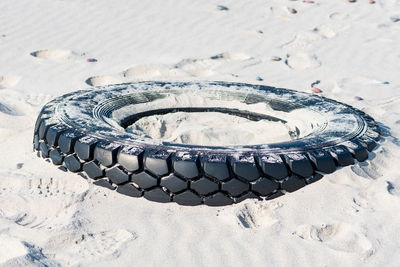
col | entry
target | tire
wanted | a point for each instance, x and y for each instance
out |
(77, 131)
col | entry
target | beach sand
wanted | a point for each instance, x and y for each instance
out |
(338, 49)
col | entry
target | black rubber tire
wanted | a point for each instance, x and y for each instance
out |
(72, 130)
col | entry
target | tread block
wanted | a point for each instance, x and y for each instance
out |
(130, 158)
(84, 147)
(104, 183)
(218, 199)
(158, 195)
(322, 161)
(273, 166)
(293, 183)
(342, 156)
(72, 163)
(36, 143)
(157, 162)
(44, 126)
(299, 164)
(204, 186)
(359, 152)
(245, 167)
(93, 170)
(144, 180)
(37, 124)
(264, 186)
(53, 133)
(66, 141)
(117, 175)
(129, 190)
(235, 187)
(187, 198)
(185, 164)
(44, 149)
(173, 183)
(106, 153)
(367, 142)
(56, 156)
(314, 178)
(246, 196)
(215, 166)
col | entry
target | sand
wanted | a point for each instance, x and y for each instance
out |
(210, 129)
(347, 50)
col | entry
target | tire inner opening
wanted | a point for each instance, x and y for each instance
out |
(212, 118)
(211, 126)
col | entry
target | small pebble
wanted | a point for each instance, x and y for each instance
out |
(308, 2)
(260, 31)
(91, 60)
(358, 98)
(352, 1)
(371, 1)
(316, 90)
(381, 82)
(395, 19)
(293, 11)
(314, 83)
(223, 8)
(259, 78)
(275, 58)
(20, 165)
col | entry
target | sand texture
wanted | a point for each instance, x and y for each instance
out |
(345, 51)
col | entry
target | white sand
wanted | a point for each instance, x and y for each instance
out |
(49, 217)
(209, 129)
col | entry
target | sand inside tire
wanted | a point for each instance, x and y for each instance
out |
(210, 129)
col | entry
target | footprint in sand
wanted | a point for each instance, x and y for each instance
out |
(9, 81)
(196, 67)
(37, 99)
(137, 73)
(378, 164)
(76, 247)
(367, 170)
(104, 80)
(302, 41)
(306, 40)
(58, 55)
(225, 63)
(337, 23)
(62, 195)
(340, 237)
(149, 72)
(10, 110)
(252, 215)
(302, 61)
(339, 16)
